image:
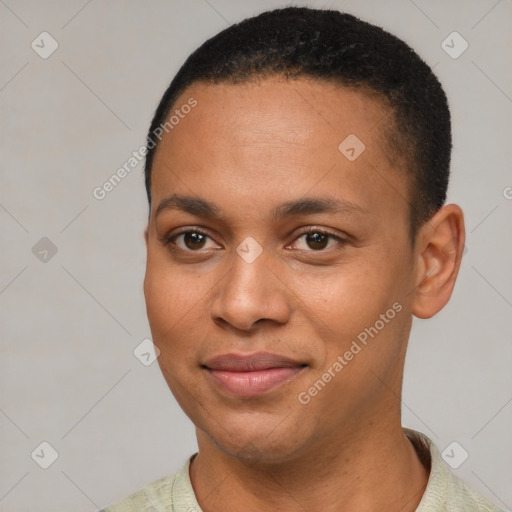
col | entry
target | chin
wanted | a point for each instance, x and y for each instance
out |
(263, 439)
(269, 430)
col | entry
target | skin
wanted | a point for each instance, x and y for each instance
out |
(249, 148)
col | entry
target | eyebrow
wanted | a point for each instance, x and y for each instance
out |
(190, 204)
(202, 208)
(309, 205)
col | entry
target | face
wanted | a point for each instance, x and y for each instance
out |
(279, 266)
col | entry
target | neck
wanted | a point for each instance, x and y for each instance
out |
(372, 470)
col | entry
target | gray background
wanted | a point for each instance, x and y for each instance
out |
(69, 324)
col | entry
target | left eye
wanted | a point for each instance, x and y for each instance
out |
(318, 240)
(191, 240)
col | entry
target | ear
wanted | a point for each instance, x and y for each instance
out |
(440, 245)
(146, 236)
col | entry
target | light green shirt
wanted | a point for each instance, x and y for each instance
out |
(445, 492)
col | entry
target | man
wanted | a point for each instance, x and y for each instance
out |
(296, 173)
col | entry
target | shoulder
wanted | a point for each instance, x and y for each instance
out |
(168, 493)
(154, 497)
(445, 491)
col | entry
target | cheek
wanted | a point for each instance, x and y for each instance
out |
(362, 310)
(351, 296)
(169, 292)
(172, 304)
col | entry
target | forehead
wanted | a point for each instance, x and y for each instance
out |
(260, 109)
(271, 137)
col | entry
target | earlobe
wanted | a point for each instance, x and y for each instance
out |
(441, 244)
(146, 236)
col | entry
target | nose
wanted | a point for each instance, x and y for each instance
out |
(249, 293)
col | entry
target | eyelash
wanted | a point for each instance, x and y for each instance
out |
(170, 240)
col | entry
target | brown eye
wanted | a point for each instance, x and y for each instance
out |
(194, 240)
(191, 241)
(317, 241)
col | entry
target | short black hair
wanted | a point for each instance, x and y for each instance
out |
(334, 47)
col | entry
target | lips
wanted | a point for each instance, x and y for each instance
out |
(247, 375)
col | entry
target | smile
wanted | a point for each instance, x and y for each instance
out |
(251, 375)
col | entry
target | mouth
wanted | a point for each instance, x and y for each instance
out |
(247, 375)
